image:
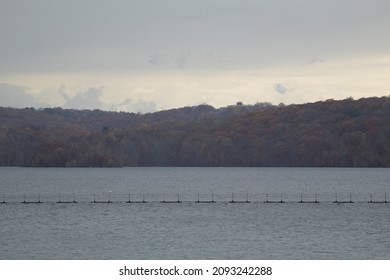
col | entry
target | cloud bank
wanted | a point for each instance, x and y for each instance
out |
(216, 52)
(90, 99)
(17, 97)
(56, 36)
(93, 98)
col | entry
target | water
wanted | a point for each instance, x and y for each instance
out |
(191, 230)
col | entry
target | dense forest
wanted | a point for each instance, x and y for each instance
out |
(346, 133)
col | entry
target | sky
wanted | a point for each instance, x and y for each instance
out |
(150, 55)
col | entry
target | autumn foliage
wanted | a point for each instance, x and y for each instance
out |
(329, 133)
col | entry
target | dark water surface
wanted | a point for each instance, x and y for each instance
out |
(191, 230)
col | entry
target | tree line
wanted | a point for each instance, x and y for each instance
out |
(344, 133)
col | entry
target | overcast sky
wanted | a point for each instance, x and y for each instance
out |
(143, 56)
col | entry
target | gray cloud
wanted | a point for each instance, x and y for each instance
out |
(183, 59)
(315, 60)
(170, 61)
(220, 58)
(89, 99)
(17, 97)
(156, 59)
(281, 88)
(62, 92)
(139, 106)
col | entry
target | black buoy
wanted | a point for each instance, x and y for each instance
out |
(335, 201)
(129, 201)
(281, 198)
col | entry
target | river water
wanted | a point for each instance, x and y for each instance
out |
(190, 230)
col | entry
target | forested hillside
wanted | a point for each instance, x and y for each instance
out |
(329, 133)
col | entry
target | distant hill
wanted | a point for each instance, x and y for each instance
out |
(344, 133)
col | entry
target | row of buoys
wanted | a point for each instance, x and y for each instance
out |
(212, 200)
